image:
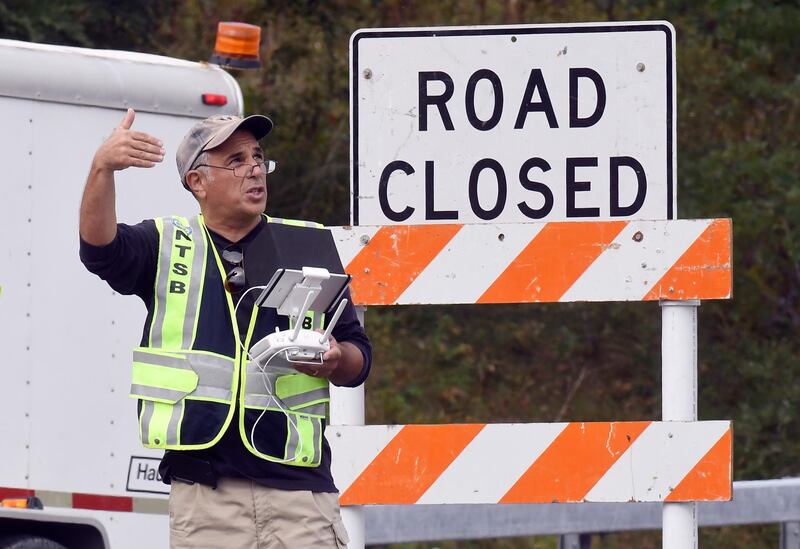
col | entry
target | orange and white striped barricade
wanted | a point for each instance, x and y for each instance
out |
(641, 461)
(675, 262)
(538, 262)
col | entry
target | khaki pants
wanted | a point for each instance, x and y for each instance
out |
(241, 514)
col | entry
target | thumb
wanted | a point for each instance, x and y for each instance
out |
(127, 122)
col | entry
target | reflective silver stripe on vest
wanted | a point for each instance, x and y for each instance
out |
(198, 262)
(222, 362)
(169, 395)
(174, 422)
(272, 403)
(317, 436)
(294, 438)
(161, 360)
(212, 392)
(258, 382)
(165, 254)
(147, 414)
(311, 396)
(213, 375)
(296, 222)
(316, 409)
(262, 401)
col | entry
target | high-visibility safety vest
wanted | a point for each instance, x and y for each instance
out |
(191, 375)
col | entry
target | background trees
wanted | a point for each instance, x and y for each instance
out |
(738, 135)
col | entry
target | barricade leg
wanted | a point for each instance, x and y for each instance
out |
(679, 403)
(575, 541)
(790, 535)
(347, 408)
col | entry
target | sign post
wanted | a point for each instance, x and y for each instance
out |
(347, 408)
(679, 403)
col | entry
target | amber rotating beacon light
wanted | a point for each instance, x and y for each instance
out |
(237, 45)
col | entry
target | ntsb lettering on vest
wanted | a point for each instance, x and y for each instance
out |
(513, 124)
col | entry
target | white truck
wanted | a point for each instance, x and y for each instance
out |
(68, 429)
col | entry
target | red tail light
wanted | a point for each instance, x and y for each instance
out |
(216, 99)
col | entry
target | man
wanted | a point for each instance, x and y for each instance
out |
(245, 451)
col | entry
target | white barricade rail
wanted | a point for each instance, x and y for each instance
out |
(541, 462)
(538, 262)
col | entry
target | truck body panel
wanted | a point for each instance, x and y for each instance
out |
(69, 427)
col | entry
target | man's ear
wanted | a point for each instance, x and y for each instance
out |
(195, 182)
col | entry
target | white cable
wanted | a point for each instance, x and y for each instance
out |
(285, 411)
(236, 310)
(269, 390)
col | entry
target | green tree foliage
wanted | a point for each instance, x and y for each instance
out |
(738, 134)
(739, 102)
(113, 24)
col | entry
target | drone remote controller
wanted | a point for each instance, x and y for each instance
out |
(277, 352)
(281, 350)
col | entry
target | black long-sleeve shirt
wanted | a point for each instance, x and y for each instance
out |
(128, 264)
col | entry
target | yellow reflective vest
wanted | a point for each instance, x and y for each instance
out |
(193, 375)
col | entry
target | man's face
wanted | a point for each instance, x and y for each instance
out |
(227, 196)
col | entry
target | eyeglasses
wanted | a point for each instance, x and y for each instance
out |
(244, 171)
(235, 280)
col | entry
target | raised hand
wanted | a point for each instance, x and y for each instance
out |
(126, 148)
(123, 149)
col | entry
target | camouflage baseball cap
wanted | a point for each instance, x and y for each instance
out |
(212, 132)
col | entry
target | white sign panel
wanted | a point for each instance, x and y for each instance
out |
(513, 124)
(143, 476)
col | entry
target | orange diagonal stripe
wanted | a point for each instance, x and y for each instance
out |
(704, 271)
(710, 479)
(574, 462)
(409, 464)
(552, 262)
(393, 259)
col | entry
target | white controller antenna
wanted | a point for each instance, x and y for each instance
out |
(298, 322)
(333, 321)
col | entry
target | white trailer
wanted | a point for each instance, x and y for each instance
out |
(68, 428)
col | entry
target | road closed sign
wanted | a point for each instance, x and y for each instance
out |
(513, 124)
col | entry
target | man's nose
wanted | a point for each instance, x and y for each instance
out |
(257, 169)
